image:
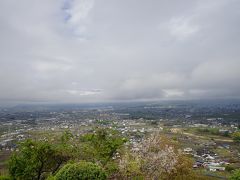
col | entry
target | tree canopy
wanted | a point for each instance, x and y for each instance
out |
(235, 175)
(37, 159)
(236, 136)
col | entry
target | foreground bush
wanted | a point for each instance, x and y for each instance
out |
(235, 175)
(38, 159)
(236, 136)
(5, 178)
(81, 171)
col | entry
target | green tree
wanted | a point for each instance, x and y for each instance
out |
(235, 175)
(101, 146)
(66, 137)
(5, 178)
(36, 160)
(229, 168)
(236, 136)
(81, 171)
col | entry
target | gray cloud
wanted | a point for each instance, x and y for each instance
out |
(86, 50)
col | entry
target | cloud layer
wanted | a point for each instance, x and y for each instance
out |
(109, 50)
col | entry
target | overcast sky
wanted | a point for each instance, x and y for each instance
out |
(111, 50)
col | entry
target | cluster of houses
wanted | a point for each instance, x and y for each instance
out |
(207, 160)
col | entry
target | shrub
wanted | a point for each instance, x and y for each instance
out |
(5, 178)
(229, 168)
(81, 171)
(235, 175)
(236, 136)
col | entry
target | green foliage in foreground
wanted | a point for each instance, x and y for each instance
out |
(101, 145)
(236, 136)
(81, 171)
(38, 159)
(41, 158)
(235, 175)
(229, 168)
(101, 154)
(5, 178)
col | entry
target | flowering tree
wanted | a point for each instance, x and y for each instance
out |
(161, 159)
